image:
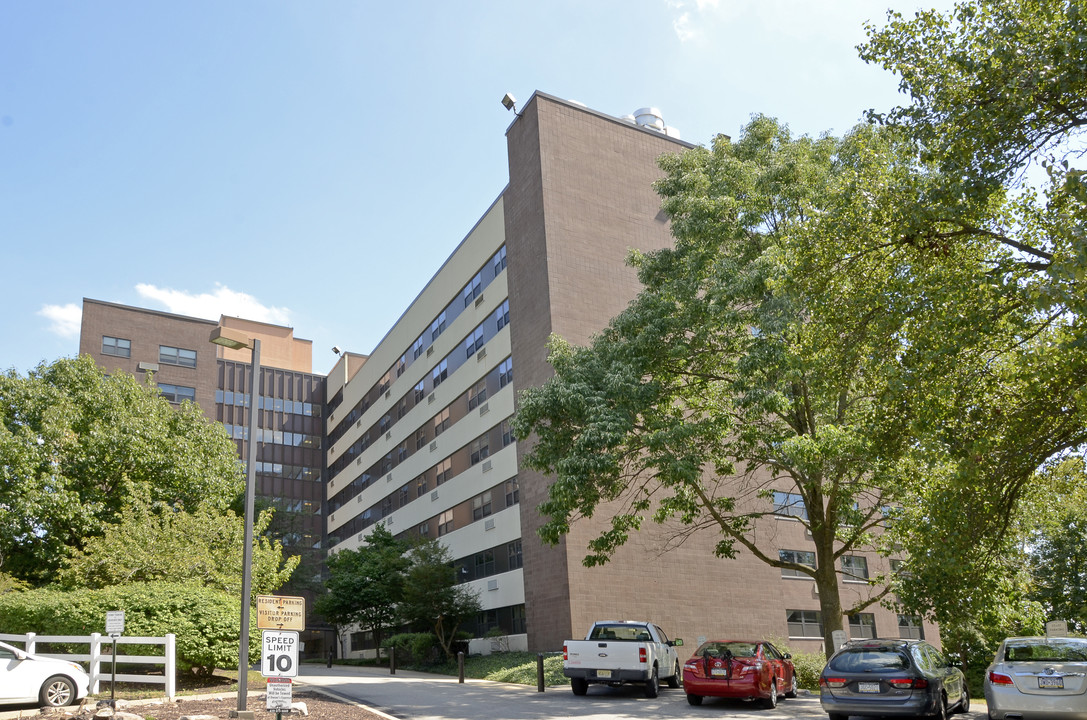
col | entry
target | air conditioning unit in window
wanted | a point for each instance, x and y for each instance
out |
(481, 354)
(433, 446)
(489, 524)
(389, 477)
(430, 398)
(434, 495)
(486, 465)
(388, 393)
(484, 408)
(430, 351)
(492, 584)
(389, 435)
(479, 300)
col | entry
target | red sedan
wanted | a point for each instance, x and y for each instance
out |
(742, 669)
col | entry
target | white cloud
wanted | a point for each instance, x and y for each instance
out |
(223, 301)
(682, 26)
(65, 319)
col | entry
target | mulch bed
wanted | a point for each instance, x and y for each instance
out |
(318, 705)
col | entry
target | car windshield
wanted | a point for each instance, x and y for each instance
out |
(1046, 651)
(736, 649)
(866, 660)
(635, 633)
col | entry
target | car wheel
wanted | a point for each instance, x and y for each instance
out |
(579, 685)
(792, 691)
(673, 682)
(694, 699)
(57, 691)
(964, 703)
(941, 712)
(653, 685)
(771, 701)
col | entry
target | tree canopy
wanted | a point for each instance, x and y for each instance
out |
(433, 600)
(74, 442)
(366, 586)
(157, 542)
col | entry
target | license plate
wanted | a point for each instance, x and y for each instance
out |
(718, 672)
(868, 687)
(1051, 683)
(603, 673)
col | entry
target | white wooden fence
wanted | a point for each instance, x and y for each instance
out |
(99, 662)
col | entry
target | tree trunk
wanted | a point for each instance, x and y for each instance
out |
(826, 583)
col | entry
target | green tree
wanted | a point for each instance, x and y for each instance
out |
(74, 442)
(432, 598)
(1057, 547)
(366, 586)
(156, 542)
(734, 382)
(996, 87)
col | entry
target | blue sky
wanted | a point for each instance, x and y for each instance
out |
(313, 163)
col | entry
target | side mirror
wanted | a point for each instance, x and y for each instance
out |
(787, 656)
(678, 642)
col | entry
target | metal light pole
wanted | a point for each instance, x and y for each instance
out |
(236, 341)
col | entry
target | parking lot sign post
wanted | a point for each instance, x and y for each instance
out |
(115, 627)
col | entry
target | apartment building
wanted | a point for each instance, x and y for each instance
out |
(419, 438)
(174, 352)
(416, 434)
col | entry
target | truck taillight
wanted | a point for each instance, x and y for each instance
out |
(565, 657)
(642, 655)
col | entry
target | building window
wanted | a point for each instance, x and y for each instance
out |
(502, 314)
(805, 623)
(445, 522)
(437, 327)
(481, 506)
(789, 505)
(518, 624)
(473, 289)
(401, 364)
(441, 422)
(420, 438)
(384, 383)
(800, 557)
(441, 372)
(116, 346)
(177, 393)
(909, 626)
(513, 491)
(855, 568)
(402, 452)
(514, 551)
(505, 372)
(480, 450)
(474, 341)
(417, 348)
(177, 356)
(862, 626)
(442, 471)
(419, 392)
(507, 433)
(477, 395)
(484, 562)
(498, 262)
(421, 486)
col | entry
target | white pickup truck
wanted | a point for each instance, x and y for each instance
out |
(622, 651)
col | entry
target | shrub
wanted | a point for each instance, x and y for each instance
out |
(415, 648)
(205, 621)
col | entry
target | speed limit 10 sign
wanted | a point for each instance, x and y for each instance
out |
(279, 653)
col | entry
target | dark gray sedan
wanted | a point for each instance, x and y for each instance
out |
(891, 677)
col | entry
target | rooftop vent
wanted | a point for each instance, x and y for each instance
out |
(651, 119)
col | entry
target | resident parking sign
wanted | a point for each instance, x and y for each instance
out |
(279, 653)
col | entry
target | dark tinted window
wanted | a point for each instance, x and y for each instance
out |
(869, 660)
(1047, 651)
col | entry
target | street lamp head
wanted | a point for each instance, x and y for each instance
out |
(336, 349)
(509, 102)
(228, 338)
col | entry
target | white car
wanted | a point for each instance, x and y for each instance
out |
(26, 678)
(1037, 678)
